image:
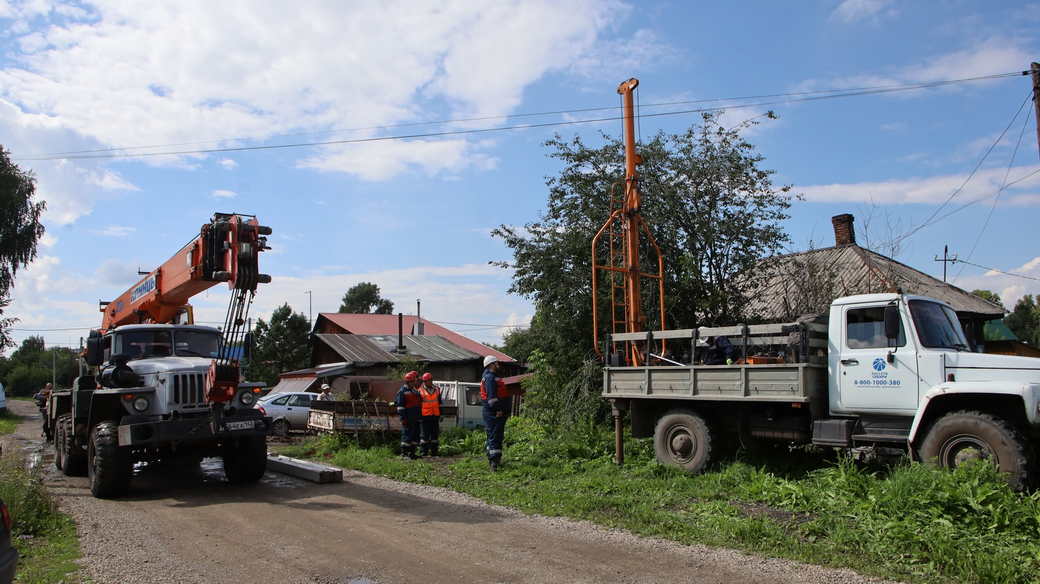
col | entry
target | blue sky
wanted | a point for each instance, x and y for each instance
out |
(414, 215)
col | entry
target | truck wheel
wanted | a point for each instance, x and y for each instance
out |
(108, 465)
(959, 437)
(280, 427)
(682, 439)
(73, 459)
(245, 459)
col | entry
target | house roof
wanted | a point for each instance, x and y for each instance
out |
(386, 324)
(855, 270)
(372, 349)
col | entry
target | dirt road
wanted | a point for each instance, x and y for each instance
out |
(191, 526)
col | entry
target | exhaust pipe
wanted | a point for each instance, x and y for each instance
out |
(400, 332)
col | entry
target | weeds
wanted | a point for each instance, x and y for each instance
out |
(907, 521)
(8, 422)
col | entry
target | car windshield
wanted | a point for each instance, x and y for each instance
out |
(196, 343)
(937, 325)
(142, 344)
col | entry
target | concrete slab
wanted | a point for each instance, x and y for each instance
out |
(310, 471)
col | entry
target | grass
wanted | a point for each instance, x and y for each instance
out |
(8, 422)
(45, 538)
(906, 522)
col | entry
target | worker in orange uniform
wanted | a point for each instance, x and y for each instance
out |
(409, 407)
(498, 404)
(429, 442)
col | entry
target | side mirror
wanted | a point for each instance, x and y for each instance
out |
(892, 324)
(95, 354)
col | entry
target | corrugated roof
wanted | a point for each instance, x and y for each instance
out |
(358, 349)
(386, 324)
(854, 270)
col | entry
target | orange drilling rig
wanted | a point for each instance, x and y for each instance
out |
(162, 387)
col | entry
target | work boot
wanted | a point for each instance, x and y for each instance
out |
(434, 451)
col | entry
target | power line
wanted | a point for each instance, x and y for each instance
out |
(813, 96)
(970, 176)
(1003, 187)
(999, 271)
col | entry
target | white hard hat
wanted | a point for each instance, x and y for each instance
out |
(490, 359)
(324, 386)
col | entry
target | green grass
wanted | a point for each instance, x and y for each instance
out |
(906, 522)
(8, 422)
(45, 538)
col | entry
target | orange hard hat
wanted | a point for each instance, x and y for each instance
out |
(427, 376)
(411, 376)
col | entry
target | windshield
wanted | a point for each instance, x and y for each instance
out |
(196, 343)
(937, 325)
(142, 344)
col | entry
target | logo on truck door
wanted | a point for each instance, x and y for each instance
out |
(878, 377)
(879, 364)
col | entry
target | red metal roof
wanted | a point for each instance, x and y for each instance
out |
(386, 324)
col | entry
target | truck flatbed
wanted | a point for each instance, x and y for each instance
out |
(789, 382)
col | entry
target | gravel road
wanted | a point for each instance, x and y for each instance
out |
(191, 526)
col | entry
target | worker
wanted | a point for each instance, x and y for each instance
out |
(429, 441)
(409, 407)
(497, 406)
(326, 393)
(42, 399)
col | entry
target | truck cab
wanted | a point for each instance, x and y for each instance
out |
(147, 402)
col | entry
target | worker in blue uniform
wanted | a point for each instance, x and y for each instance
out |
(498, 404)
(409, 408)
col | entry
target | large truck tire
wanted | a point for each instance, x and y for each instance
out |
(682, 439)
(245, 459)
(108, 466)
(71, 459)
(958, 437)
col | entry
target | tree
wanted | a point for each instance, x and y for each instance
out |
(1024, 320)
(713, 211)
(364, 299)
(989, 295)
(20, 230)
(281, 345)
(33, 365)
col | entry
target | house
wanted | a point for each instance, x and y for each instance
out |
(361, 354)
(802, 283)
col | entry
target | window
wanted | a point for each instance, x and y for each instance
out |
(280, 401)
(189, 343)
(142, 344)
(865, 329)
(300, 399)
(937, 325)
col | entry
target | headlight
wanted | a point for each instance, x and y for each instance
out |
(248, 398)
(141, 404)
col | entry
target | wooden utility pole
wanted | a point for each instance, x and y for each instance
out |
(1035, 70)
(946, 259)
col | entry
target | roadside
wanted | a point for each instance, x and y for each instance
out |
(907, 522)
(191, 526)
(44, 536)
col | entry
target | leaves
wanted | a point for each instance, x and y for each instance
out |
(281, 345)
(364, 298)
(20, 230)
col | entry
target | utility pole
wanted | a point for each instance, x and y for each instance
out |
(79, 359)
(310, 308)
(946, 259)
(1035, 70)
(54, 369)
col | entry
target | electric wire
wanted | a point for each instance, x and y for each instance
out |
(932, 218)
(1006, 273)
(1003, 187)
(830, 94)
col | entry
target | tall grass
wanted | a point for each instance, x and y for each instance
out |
(8, 422)
(906, 521)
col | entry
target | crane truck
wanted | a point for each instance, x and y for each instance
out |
(879, 372)
(161, 387)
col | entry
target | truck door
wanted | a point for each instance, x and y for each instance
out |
(867, 381)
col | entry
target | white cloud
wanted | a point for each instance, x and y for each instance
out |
(86, 74)
(855, 10)
(382, 160)
(224, 194)
(115, 231)
(1009, 287)
(227, 163)
(930, 190)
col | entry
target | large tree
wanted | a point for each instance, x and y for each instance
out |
(1024, 320)
(20, 230)
(364, 298)
(989, 295)
(281, 345)
(33, 365)
(712, 209)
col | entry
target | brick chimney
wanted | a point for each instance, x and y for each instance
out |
(844, 230)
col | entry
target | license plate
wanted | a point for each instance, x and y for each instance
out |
(246, 425)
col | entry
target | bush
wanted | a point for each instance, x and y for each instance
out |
(32, 509)
(561, 399)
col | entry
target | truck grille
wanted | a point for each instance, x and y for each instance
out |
(188, 390)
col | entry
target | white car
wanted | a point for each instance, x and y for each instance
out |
(288, 411)
(3, 399)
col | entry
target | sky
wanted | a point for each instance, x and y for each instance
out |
(414, 215)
